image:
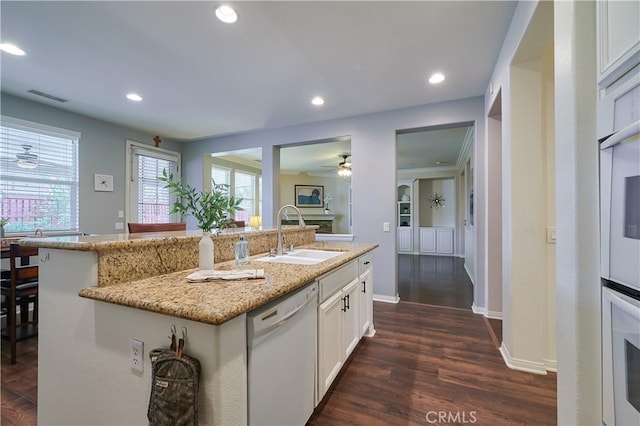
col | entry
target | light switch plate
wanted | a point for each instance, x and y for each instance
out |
(385, 227)
(551, 234)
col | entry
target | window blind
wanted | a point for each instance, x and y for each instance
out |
(38, 177)
(221, 175)
(154, 200)
(245, 188)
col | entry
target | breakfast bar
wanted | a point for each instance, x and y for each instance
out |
(97, 293)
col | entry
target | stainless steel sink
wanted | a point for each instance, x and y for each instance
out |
(301, 257)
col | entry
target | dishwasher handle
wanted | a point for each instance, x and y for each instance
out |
(261, 334)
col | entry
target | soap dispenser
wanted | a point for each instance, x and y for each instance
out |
(242, 251)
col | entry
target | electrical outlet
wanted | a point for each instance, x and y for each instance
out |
(119, 226)
(136, 354)
(120, 214)
(385, 226)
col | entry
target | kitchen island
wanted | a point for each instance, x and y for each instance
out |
(134, 286)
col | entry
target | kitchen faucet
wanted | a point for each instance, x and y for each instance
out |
(279, 250)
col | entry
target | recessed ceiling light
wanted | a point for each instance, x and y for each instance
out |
(436, 78)
(226, 14)
(317, 101)
(134, 97)
(12, 49)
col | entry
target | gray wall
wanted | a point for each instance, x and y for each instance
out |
(373, 146)
(102, 150)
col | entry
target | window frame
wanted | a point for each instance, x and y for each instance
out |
(151, 151)
(57, 132)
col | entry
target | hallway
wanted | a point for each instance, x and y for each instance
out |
(434, 280)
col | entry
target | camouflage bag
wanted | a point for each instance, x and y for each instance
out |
(175, 381)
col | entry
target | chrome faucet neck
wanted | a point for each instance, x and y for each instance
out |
(279, 249)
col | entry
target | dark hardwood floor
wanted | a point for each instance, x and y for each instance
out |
(434, 280)
(19, 384)
(424, 362)
(426, 359)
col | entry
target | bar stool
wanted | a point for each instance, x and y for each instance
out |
(21, 289)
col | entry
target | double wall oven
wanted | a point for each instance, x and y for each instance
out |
(620, 262)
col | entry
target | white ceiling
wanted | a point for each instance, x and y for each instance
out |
(200, 77)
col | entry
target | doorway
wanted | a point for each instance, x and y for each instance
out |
(432, 181)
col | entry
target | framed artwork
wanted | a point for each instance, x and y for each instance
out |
(309, 195)
(103, 183)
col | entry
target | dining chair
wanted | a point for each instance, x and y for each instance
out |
(156, 227)
(21, 289)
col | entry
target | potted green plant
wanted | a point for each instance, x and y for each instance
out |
(212, 209)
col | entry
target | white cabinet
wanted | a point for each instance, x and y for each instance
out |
(436, 240)
(338, 333)
(444, 240)
(405, 240)
(366, 295)
(427, 240)
(344, 314)
(330, 355)
(618, 39)
(351, 318)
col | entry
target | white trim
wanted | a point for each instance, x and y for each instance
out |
(551, 365)
(494, 315)
(477, 310)
(386, 299)
(30, 126)
(132, 146)
(469, 274)
(522, 364)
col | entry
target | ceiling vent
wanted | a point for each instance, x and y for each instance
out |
(48, 96)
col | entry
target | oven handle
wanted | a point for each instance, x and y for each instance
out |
(629, 305)
(620, 135)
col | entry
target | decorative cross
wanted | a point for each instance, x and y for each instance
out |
(157, 140)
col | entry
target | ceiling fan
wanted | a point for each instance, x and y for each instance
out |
(25, 159)
(344, 167)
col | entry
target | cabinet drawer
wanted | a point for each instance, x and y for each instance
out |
(337, 279)
(365, 262)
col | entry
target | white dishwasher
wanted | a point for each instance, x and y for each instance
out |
(281, 340)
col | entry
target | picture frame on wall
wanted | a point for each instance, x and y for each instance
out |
(309, 196)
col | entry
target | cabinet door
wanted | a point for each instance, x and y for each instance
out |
(444, 241)
(330, 341)
(427, 240)
(404, 239)
(366, 299)
(351, 324)
(618, 38)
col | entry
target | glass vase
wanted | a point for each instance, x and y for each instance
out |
(205, 252)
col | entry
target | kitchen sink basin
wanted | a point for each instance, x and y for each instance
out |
(314, 254)
(301, 257)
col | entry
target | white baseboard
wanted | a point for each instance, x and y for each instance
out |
(483, 311)
(469, 274)
(551, 365)
(386, 299)
(477, 310)
(493, 315)
(522, 364)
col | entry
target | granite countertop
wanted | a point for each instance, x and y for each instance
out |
(120, 241)
(217, 302)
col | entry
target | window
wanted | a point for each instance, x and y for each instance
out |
(245, 188)
(221, 175)
(243, 185)
(38, 177)
(149, 200)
